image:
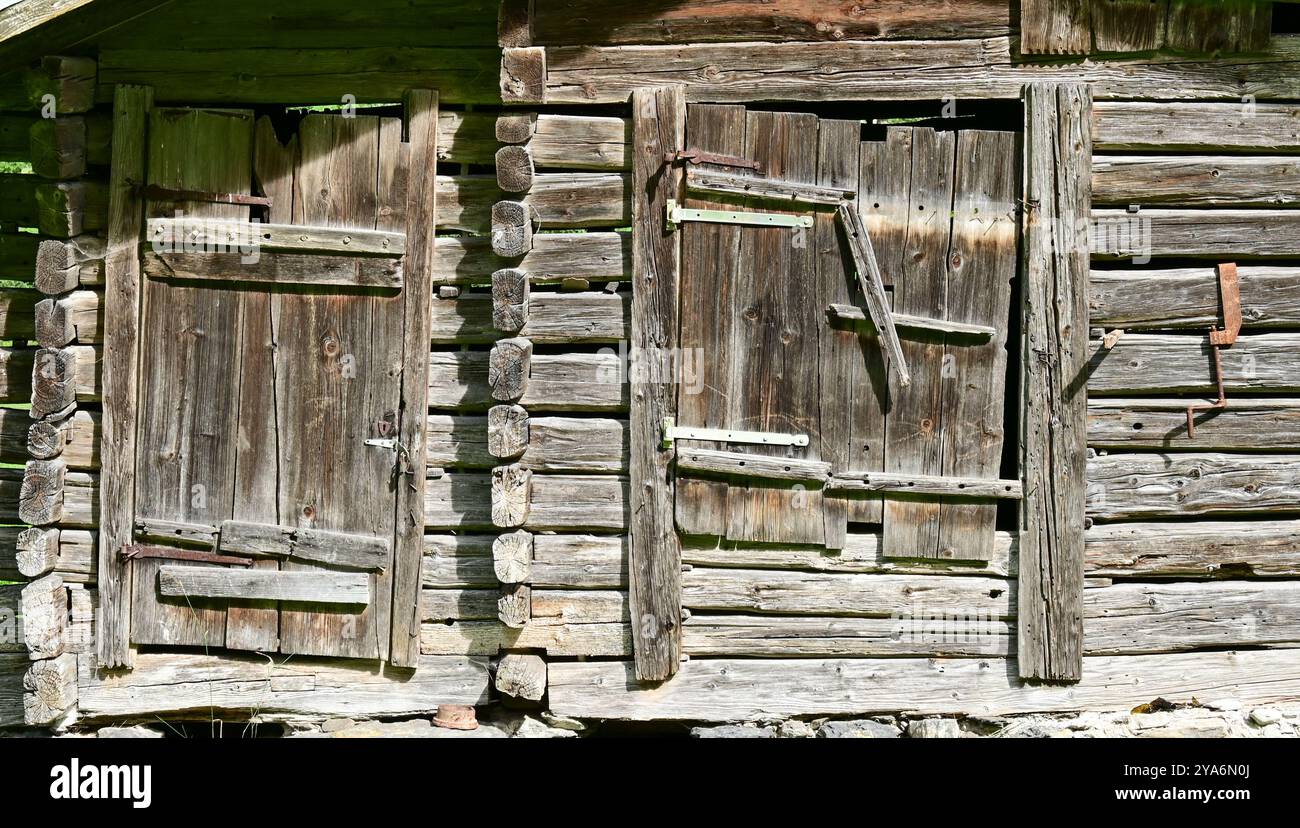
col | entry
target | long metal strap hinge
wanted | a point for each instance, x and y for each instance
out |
(678, 214)
(673, 432)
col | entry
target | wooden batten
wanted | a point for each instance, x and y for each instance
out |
(264, 585)
(738, 464)
(338, 549)
(276, 269)
(1054, 352)
(175, 235)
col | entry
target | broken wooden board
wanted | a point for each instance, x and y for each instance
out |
(340, 549)
(263, 585)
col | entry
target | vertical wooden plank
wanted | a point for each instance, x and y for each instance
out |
(338, 360)
(1055, 27)
(1128, 25)
(913, 427)
(658, 126)
(255, 625)
(420, 222)
(190, 369)
(131, 105)
(982, 261)
(840, 364)
(1054, 355)
(884, 202)
(770, 384)
(707, 318)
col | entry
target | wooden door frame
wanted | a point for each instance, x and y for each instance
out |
(121, 366)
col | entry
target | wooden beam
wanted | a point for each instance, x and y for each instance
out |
(923, 485)
(120, 372)
(557, 382)
(711, 181)
(1195, 126)
(1053, 434)
(763, 689)
(1136, 299)
(553, 318)
(264, 585)
(1181, 363)
(658, 127)
(740, 464)
(61, 266)
(41, 500)
(553, 257)
(512, 229)
(422, 119)
(1199, 181)
(510, 290)
(1248, 425)
(1055, 27)
(871, 284)
(1132, 486)
(1195, 549)
(190, 235)
(514, 606)
(507, 431)
(276, 269)
(515, 170)
(339, 549)
(1214, 233)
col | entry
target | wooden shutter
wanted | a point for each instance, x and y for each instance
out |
(275, 439)
(779, 320)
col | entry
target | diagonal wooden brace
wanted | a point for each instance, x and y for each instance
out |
(873, 289)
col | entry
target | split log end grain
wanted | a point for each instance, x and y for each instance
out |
(516, 128)
(46, 439)
(512, 557)
(62, 265)
(54, 385)
(51, 689)
(510, 293)
(37, 552)
(41, 496)
(509, 367)
(523, 74)
(45, 617)
(515, 606)
(522, 676)
(511, 495)
(512, 229)
(515, 169)
(508, 431)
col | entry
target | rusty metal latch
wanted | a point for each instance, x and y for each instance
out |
(137, 551)
(693, 155)
(1230, 297)
(401, 457)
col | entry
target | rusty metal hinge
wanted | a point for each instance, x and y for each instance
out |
(693, 155)
(137, 551)
(1230, 297)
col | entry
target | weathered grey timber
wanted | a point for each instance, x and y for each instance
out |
(654, 568)
(907, 322)
(738, 464)
(1127, 486)
(1201, 181)
(558, 382)
(348, 551)
(511, 495)
(1188, 297)
(514, 606)
(276, 268)
(62, 265)
(553, 257)
(920, 485)
(512, 557)
(728, 184)
(512, 229)
(509, 368)
(1250, 425)
(45, 617)
(1180, 363)
(280, 238)
(74, 317)
(507, 431)
(1195, 549)
(263, 585)
(552, 318)
(794, 636)
(510, 291)
(1053, 431)
(1195, 126)
(522, 676)
(121, 348)
(515, 170)
(559, 502)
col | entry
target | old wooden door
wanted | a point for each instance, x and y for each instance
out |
(775, 315)
(279, 383)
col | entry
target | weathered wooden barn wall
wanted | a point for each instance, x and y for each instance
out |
(1193, 543)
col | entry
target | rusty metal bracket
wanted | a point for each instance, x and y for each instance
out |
(693, 155)
(134, 552)
(1230, 298)
(165, 194)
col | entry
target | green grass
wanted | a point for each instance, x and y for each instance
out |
(15, 167)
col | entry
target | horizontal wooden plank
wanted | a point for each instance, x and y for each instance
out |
(924, 485)
(1195, 181)
(202, 685)
(553, 258)
(196, 235)
(862, 553)
(1194, 549)
(903, 70)
(553, 318)
(302, 76)
(821, 593)
(555, 444)
(18, 256)
(770, 189)
(599, 22)
(264, 585)
(760, 689)
(1250, 425)
(559, 561)
(788, 637)
(1195, 127)
(486, 638)
(1173, 363)
(581, 142)
(16, 374)
(557, 200)
(556, 606)
(1189, 298)
(1129, 486)
(734, 463)
(275, 268)
(340, 549)
(1161, 618)
(573, 503)
(559, 382)
(1219, 234)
